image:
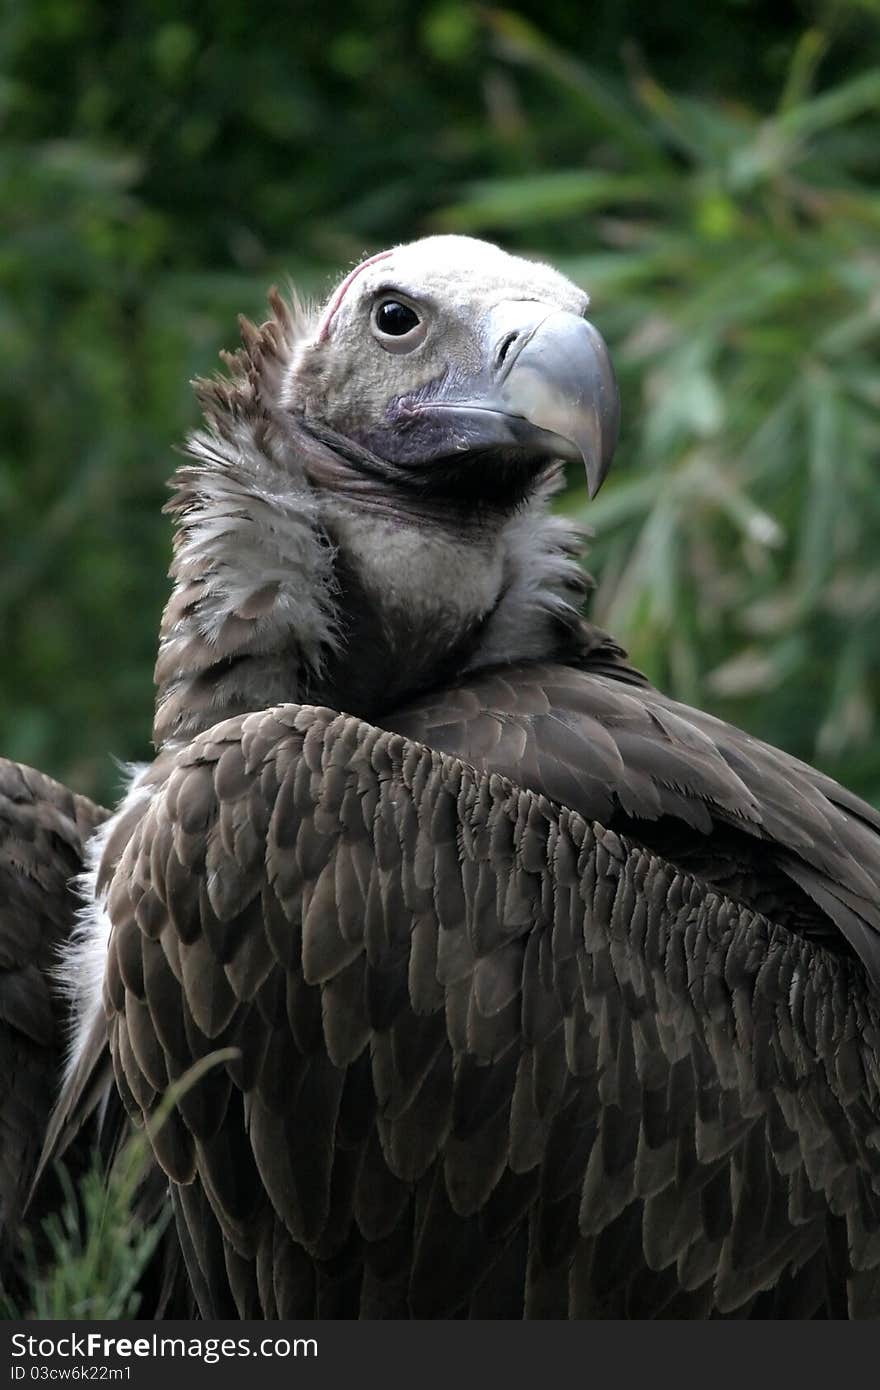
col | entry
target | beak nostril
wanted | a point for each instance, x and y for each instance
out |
(507, 343)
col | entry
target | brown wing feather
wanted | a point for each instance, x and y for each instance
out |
(494, 1060)
(745, 817)
(43, 829)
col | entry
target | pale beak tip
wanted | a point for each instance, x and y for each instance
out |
(595, 479)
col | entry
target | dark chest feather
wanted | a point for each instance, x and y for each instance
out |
(389, 655)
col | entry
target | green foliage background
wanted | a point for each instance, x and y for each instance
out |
(710, 176)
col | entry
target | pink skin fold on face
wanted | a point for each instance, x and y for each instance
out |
(324, 326)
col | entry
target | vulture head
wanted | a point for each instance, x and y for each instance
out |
(365, 511)
(461, 368)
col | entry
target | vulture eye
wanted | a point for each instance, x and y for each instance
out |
(397, 327)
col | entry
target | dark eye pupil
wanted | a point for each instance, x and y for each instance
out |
(395, 319)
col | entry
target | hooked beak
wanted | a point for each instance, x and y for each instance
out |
(550, 389)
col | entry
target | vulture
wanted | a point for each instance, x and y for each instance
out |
(516, 988)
